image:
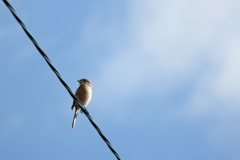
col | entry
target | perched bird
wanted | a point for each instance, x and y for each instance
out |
(84, 94)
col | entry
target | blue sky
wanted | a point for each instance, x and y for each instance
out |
(165, 76)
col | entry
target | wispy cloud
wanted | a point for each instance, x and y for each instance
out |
(170, 43)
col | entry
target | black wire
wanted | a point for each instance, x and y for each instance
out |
(83, 109)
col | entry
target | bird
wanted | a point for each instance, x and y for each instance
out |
(84, 94)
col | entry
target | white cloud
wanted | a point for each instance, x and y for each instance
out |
(168, 43)
(172, 39)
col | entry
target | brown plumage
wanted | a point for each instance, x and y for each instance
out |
(84, 94)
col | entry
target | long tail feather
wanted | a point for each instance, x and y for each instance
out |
(74, 118)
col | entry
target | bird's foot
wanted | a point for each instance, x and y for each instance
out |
(85, 110)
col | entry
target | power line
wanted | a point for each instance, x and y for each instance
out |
(83, 109)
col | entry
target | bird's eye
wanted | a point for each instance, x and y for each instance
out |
(84, 80)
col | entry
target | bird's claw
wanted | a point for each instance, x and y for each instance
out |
(85, 111)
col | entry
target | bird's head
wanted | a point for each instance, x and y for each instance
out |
(85, 81)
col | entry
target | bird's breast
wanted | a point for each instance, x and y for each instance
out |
(84, 94)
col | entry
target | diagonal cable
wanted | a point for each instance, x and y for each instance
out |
(83, 109)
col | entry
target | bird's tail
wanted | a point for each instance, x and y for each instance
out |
(74, 118)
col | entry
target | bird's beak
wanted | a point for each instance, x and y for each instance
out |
(78, 81)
